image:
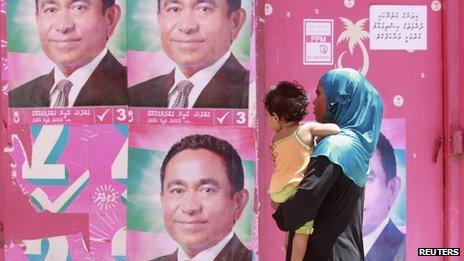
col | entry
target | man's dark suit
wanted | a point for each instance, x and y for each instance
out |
(233, 251)
(227, 89)
(387, 247)
(107, 85)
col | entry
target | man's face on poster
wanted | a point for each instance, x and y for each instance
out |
(380, 195)
(73, 32)
(196, 33)
(198, 205)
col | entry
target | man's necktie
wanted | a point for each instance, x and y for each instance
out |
(63, 87)
(184, 88)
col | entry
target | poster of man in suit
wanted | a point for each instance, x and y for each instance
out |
(66, 53)
(190, 195)
(189, 53)
(384, 220)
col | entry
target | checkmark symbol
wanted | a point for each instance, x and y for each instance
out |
(102, 116)
(221, 119)
(42, 201)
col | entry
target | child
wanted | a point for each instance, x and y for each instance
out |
(292, 147)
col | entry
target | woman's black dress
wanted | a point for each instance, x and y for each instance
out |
(335, 203)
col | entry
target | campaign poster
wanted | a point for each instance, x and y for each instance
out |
(67, 192)
(384, 218)
(66, 53)
(189, 54)
(176, 201)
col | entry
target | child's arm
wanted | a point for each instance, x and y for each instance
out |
(322, 129)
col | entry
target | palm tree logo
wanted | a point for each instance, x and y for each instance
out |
(354, 34)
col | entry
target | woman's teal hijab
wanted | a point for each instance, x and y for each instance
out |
(355, 106)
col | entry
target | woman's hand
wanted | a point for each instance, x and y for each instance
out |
(285, 246)
(274, 205)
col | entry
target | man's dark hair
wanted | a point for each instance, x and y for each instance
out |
(288, 100)
(387, 156)
(233, 5)
(222, 148)
(106, 4)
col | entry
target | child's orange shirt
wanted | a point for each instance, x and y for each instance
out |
(291, 158)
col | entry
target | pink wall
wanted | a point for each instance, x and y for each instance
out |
(3, 126)
(454, 122)
(415, 75)
(460, 91)
(279, 54)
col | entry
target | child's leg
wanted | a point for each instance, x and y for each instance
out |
(300, 240)
(299, 244)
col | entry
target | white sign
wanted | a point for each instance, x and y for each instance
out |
(398, 27)
(317, 41)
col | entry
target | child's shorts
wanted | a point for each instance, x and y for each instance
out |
(282, 196)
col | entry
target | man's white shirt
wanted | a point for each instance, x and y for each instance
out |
(369, 240)
(199, 81)
(78, 78)
(208, 254)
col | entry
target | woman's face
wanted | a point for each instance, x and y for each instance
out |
(320, 104)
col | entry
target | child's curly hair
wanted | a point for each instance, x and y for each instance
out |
(288, 100)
